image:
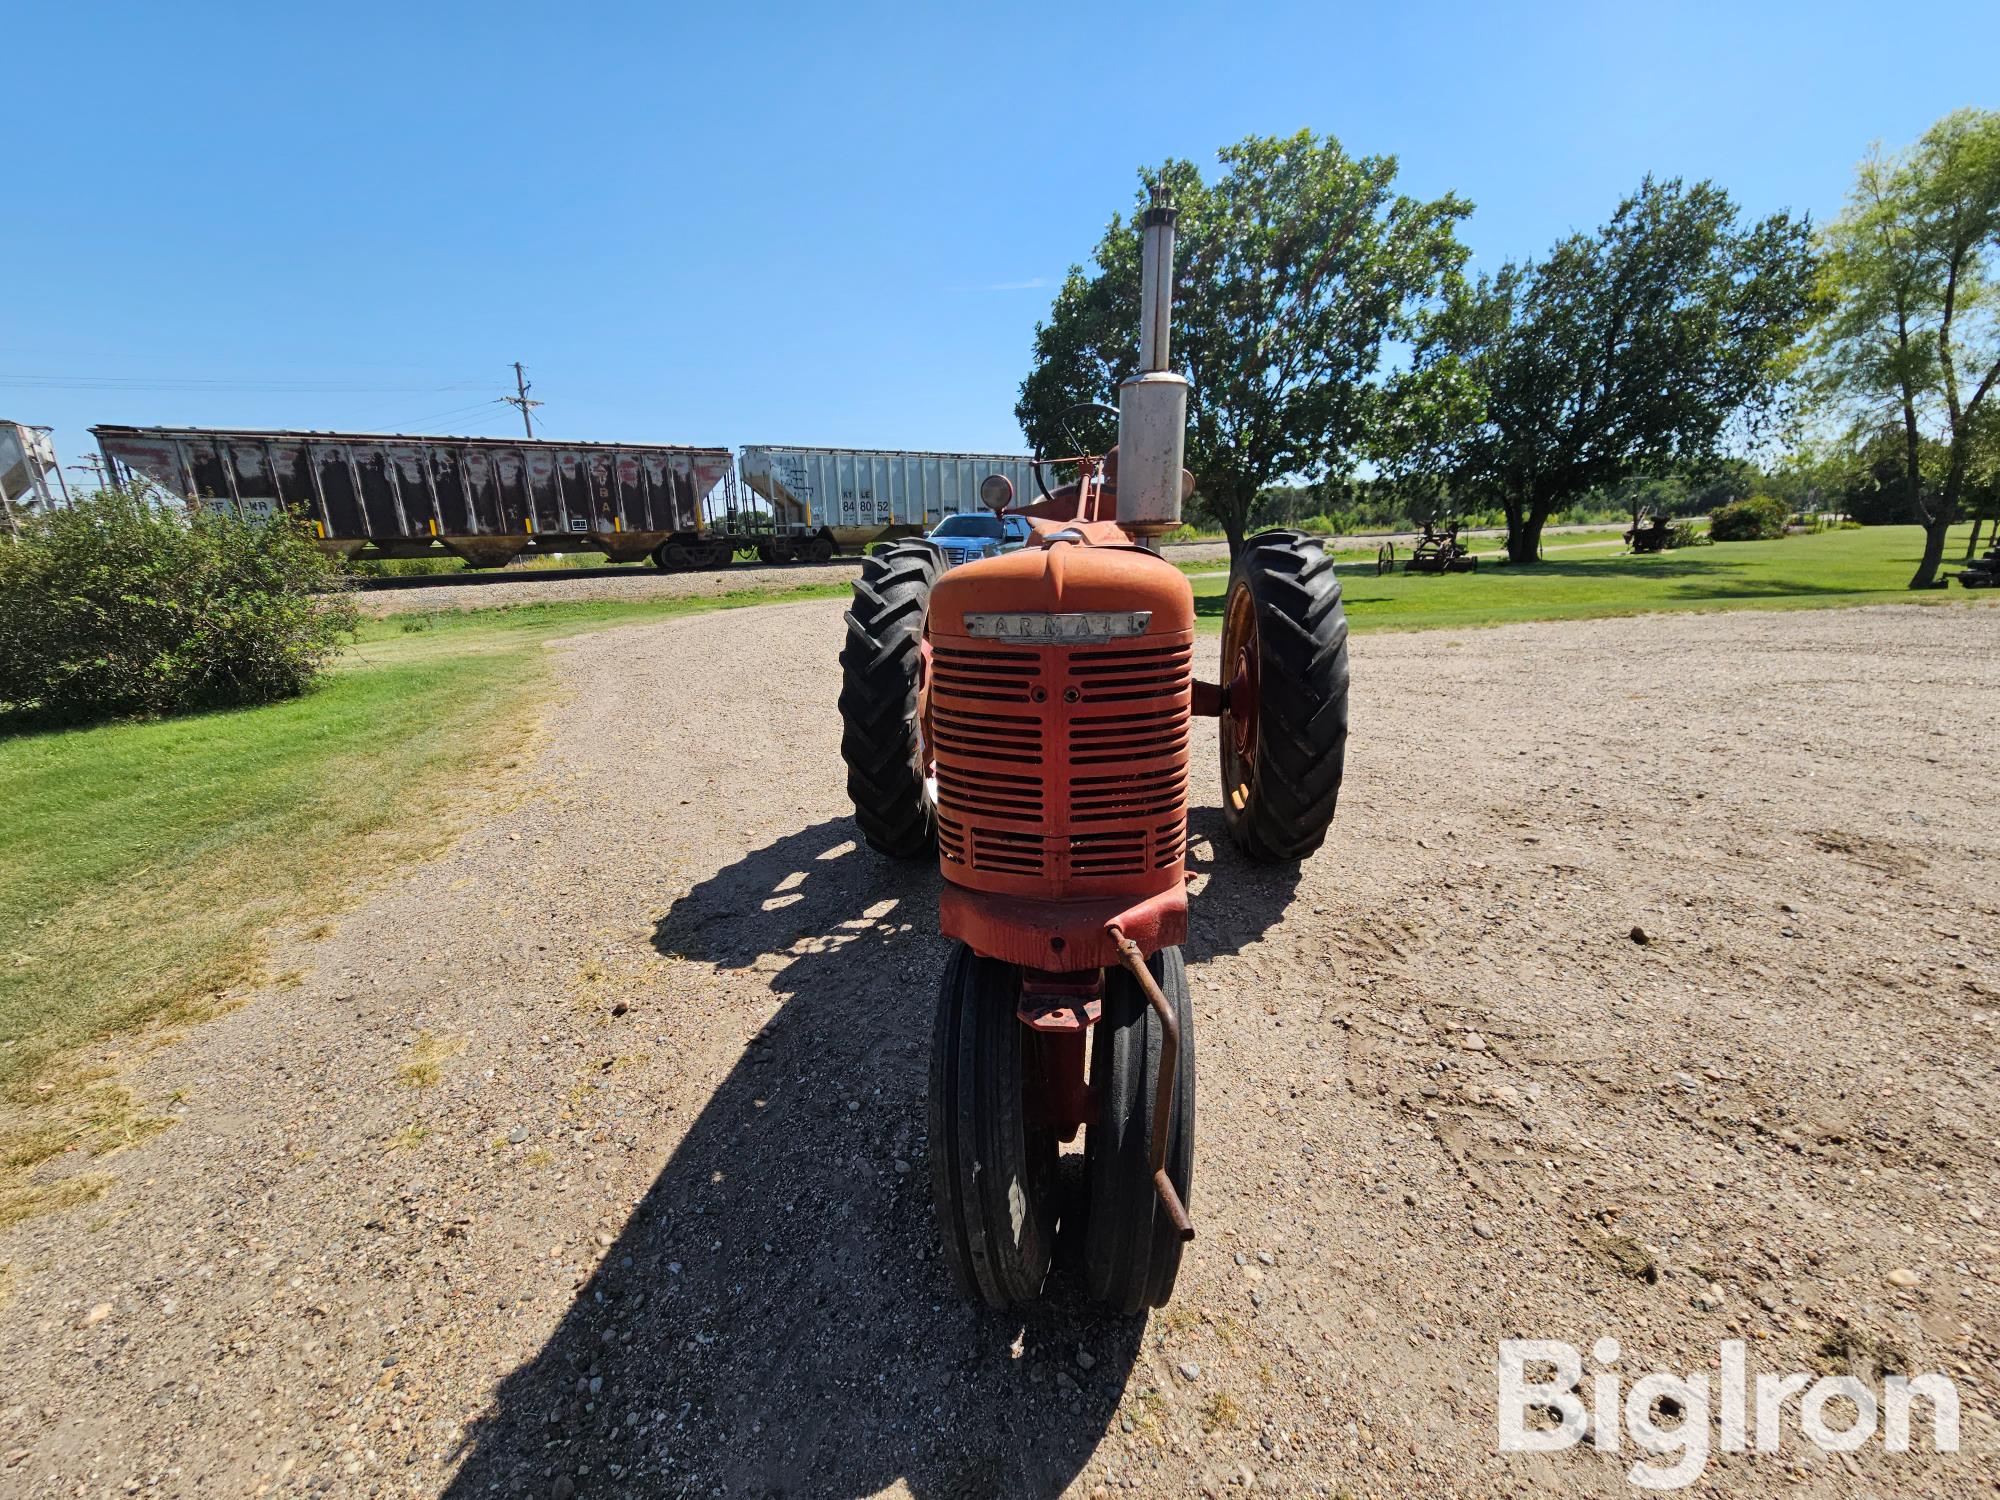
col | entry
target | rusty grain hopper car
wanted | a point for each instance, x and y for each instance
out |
(485, 500)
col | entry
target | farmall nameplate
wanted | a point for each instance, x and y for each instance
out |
(1059, 628)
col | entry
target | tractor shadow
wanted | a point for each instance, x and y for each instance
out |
(1235, 901)
(775, 1318)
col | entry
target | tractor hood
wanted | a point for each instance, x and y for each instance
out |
(1062, 592)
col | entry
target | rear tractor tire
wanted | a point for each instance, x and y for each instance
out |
(993, 1174)
(881, 733)
(1131, 1250)
(1284, 639)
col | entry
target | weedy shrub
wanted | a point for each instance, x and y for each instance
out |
(1687, 534)
(1758, 519)
(119, 607)
(406, 567)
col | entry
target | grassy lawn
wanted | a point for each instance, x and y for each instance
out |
(142, 865)
(1869, 566)
(1594, 540)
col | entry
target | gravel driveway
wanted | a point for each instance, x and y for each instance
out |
(660, 1225)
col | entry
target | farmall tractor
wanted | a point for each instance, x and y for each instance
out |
(1027, 717)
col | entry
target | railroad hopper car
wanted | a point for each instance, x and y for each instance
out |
(27, 464)
(821, 499)
(485, 500)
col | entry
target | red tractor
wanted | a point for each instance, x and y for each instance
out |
(1027, 717)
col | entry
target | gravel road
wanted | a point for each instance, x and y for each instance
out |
(1646, 987)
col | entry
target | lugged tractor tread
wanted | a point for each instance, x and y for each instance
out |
(1131, 1251)
(878, 699)
(1302, 695)
(983, 1153)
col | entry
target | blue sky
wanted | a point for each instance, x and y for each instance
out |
(837, 225)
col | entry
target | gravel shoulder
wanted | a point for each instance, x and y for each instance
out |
(588, 1158)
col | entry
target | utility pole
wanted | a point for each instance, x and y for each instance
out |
(521, 400)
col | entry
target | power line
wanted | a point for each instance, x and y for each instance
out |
(281, 387)
(439, 416)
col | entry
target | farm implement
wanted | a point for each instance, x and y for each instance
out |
(1439, 550)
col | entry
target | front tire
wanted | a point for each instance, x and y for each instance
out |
(993, 1174)
(881, 667)
(1131, 1250)
(1284, 636)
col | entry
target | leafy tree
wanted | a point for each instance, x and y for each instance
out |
(1871, 478)
(1628, 350)
(1292, 269)
(1914, 339)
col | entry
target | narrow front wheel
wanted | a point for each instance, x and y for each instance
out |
(993, 1168)
(1132, 1252)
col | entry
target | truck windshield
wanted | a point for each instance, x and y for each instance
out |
(985, 526)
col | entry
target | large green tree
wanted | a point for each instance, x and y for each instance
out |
(1631, 349)
(1914, 339)
(1292, 270)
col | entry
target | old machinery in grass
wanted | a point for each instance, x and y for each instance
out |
(1439, 550)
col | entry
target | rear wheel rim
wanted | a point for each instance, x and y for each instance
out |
(926, 756)
(1239, 726)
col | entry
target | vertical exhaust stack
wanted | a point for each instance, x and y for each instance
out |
(1152, 405)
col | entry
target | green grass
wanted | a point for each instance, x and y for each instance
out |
(142, 864)
(1556, 545)
(1869, 566)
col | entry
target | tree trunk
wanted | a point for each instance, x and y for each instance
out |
(1233, 530)
(1934, 530)
(1937, 522)
(1524, 533)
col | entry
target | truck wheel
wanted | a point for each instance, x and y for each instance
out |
(820, 549)
(674, 556)
(993, 1175)
(1284, 643)
(1131, 1251)
(881, 733)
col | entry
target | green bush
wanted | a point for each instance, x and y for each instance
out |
(119, 607)
(1757, 519)
(1687, 534)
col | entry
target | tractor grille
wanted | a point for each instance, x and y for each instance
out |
(1062, 769)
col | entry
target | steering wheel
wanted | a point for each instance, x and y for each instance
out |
(1076, 447)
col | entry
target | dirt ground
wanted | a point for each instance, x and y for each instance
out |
(589, 1158)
